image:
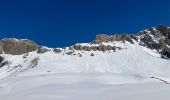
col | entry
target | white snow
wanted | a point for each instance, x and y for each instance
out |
(128, 74)
(168, 46)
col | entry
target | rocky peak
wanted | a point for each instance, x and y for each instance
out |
(157, 38)
(17, 46)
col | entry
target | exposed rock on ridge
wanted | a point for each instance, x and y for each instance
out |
(116, 37)
(94, 48)
(158, 38)
(15, 47)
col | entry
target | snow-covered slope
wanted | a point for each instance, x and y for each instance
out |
(58, 76)
(131, 59)
(124, 70)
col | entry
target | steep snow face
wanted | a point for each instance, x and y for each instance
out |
(131, 59)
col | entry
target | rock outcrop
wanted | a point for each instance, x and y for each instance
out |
(94, 48)
(56, 50)
(116, 37)
(16, 47)
(42, 50)
(2, 62)
(158, 38)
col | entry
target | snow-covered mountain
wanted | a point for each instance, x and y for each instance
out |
(100, 68)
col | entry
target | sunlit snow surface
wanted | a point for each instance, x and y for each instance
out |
(133, 73)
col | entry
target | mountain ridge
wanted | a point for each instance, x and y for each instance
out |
(157, 38)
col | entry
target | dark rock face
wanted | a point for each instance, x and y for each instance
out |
(1, 59)
(158, 38)
(16, 47)
(2, 62)
(166, 52)
(150, 42)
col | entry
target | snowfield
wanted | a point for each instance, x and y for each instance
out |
(83, 87)
(132, 73)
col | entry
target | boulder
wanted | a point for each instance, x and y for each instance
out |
(104, 48)
(109, 47)
(26, 55)
(42, 50)
(94, 48)
(80, 55)
(70, 52)
(85, 48)
(166, 52)
(92, 54)
(76, 47)
(56, 50)
(99, 48)
(114, 48)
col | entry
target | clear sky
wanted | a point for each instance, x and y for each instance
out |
(59, 23)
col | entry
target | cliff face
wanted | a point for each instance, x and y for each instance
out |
(16, 47)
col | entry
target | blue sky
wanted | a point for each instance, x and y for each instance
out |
(59, 23)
